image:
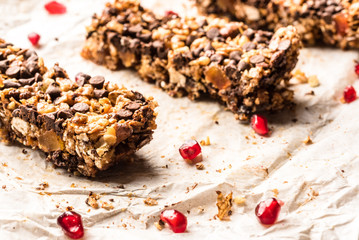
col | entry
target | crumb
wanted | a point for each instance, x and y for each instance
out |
(224, 204)
(92, 200)
(200, 209)
(56, 39)
(300, 76)
(73, 185)
(111, 200)
(69, 208)
(160, 225)
(206, 142)
(150, 201)
(216, 122)
(121, 186)
(107, 206)
(307, 140)
(42, 186)
(3, 186)
(199, 166)
(313, 81)
(275, 191)
(239, 200)
(24, 151)
(18, 178)
(311, 93)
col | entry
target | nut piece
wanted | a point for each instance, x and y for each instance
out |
(150, 201)
(160, 225)
(224, 204)
(92, 200)
(300, 76)
(313, 81)
(308, 140)
(199, 166)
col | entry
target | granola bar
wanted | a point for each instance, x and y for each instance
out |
(86, 125)
(332, 22)
(245, 69)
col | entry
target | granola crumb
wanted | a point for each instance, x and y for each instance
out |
(224, 204)
(42, 186)
(69, 208)
(300, 76)
(150, 201)
(92, 200)
(107, 206)
(3, 186)
(275, 191)
(160, 225)
(239, 200)
(308, 140)
(199, 166)
(205, 142)
(313, 81)
(73, 185)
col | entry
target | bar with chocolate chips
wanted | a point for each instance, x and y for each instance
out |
(85, 126)
(247, 70)
(329, 22)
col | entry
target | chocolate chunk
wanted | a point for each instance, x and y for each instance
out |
(123, 114)
(276, 58)
(54, 91)
(31, 54)
(327, 17)
(235, 55)
(4, 64)
(212, 33)
(256, 59)
(216, 58)
(135, 29)
(242, 65)
(133, 106)
(208, 47)
(249, 33)
(97, 81)
(159, 48)
(25, 95)
(145, 37)
(13, 71)
(284, 45)
(25, 73)
(100, 93)
(32, 67)
(81, 78)
(229, 70)
(138, 95)
(27, 81)
(38, 77)
(13, 94)
(16, 113)
(248, 46)
(64, 114)
(81, 107)
(49, 121)
(123, 132)
(59, 72)
(11, 84)
(32, 114)
(58, 127)
(196, 52)
(190, 39)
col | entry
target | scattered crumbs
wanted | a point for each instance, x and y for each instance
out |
(121, 186)
(219, 170)
(3, 186)
(249, 157)
(285, 182)
(300, 76)
(69, 208)
(199, 166)
(18, 178)
(191, 188)
(313, 81)
(73, 185)
(163, 156)
(200, 209)
(92, 200)
(160, 225)
(308, 140)
(56, 39)
(42, 186)
(150, 201)
(24, 151)
(275, 191)
(129, 195)
(311, 93)
(289, 154)
(239, 200)
(4, 164)
(107, 206)
(342, 171)
(224, 204)
(216, 122)
(57, 205)
(312, 194)
(230, 166)
(206, 142)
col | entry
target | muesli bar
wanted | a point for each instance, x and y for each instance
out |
(243, 68)
(332, 22)
(85, 126)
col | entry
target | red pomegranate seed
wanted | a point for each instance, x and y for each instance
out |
(171, 13)
(176, 220)
(259, 124)
(349, 94)
(190, 151)
(357, 68)
(34, 38)
(54, 7)
(267, 211)
(71, 224)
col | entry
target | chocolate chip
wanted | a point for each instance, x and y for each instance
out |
(208, 47)
(38, 77)
(242, 65)
(138, 95)
(133, 106)
(216, 58)
(284, 45)
(32, 67)
(100, 93)
(13, 71)
(97, 81)
(4, 45)
(276, 58)
(212, 33)
(145, 37)
(53, 90)
(25, 95)
(123, 132)
(81, 107)
(159, 48)
(28, 81)
(32, 116)
(81, 78)
(135, 29)
(49, 121)
(31, 54)
(16, 113)
(249, 33)
(190, 39)
(123, 114)
(327, 17)
(4, 64)
(59, 127)
(235, 55)
(24, 72)
(64, 114)
(13, 94)
(11, 84)
(59, 72)
(229, 70)
(248, 46)
(256, 59)
(196, 52)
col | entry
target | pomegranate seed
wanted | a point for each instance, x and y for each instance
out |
(357, 68)
(71, 224)
(259, 124)
(349, 94)
(267, 211)
(34, 38)
(54, 7)
(175, 219)
(190, 151)
(171, 13)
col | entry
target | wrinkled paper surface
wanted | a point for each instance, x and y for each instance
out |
(319, 183)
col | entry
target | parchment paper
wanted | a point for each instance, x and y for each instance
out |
(318, 182)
